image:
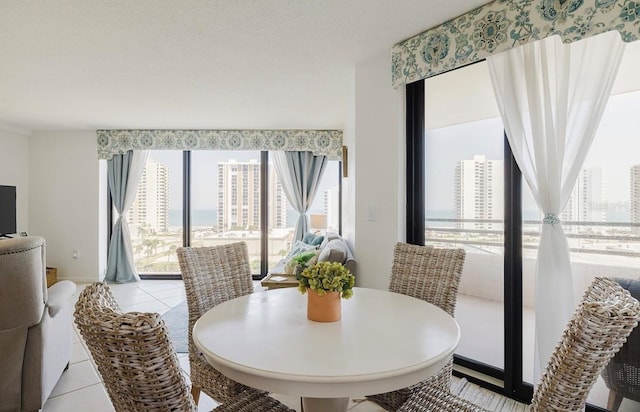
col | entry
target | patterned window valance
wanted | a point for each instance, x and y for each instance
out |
(320, 142)
(503, 24)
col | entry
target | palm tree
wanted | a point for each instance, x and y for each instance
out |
(143, 232)
(157, 243)
(172, 250)
(150, 245)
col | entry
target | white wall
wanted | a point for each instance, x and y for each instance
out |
(348, 187)
(14, 171)
(378, 178)
(65, 201)
(67, 185)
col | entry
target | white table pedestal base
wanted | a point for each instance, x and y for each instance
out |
(325, 404)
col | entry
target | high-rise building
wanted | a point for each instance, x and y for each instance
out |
(151, 207)
(277, 201)
(239, 197)
(588, 199)
(332, 208)
(594, 195)
(634, 195)
(479, 191)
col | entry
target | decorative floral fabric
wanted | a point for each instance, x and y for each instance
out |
(321, 142)
(504, 24)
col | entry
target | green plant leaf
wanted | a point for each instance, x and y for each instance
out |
(327, 277)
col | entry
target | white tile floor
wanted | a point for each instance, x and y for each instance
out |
(80, 387)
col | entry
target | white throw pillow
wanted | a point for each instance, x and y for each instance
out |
(334, 251)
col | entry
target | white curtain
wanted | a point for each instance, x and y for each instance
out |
(300, 174)
(551, 97)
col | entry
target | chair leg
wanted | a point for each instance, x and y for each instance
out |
(195, 393)
(614, 401)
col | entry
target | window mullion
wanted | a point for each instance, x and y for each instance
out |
(186, 198)
(513, 382)
(264, 213)
(415, 193)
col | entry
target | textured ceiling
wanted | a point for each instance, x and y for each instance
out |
(89, 64)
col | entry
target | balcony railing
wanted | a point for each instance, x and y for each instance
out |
(602, 238)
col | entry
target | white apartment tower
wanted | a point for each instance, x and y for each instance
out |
(239, 197)
(588, 199)
(277, 201)
(634, 193)
(480, 191)
(151, 207)
(332, 208)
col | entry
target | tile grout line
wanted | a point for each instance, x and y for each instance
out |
(82, 387)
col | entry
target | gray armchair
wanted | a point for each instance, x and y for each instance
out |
(35, 325)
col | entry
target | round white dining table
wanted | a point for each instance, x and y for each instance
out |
(384, 341)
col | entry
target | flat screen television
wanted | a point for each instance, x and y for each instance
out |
(7, 210)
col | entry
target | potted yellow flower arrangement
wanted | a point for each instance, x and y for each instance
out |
(325, 283)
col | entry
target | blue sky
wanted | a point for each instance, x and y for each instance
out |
(616, 147)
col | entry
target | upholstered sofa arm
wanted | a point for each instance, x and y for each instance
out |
(60, 295)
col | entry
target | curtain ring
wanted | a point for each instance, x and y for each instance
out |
(550, 219)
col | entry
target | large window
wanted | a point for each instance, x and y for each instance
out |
(155, 218)
(221, 198)
(474, 198)
(225, 200)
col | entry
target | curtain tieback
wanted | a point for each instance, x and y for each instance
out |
(550, 219)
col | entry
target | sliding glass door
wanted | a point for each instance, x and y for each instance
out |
(473, 200)
(464, 208)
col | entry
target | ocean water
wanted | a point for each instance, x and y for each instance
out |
(611, 216)
(618, 216)
(207, 217)
(199, 217)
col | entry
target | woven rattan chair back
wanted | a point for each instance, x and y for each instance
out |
(96, 296)
(599, 327)
(427, 273)
(597, 330)
(133, 353)
(213, 275)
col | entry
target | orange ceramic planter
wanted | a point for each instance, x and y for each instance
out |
(324, 308)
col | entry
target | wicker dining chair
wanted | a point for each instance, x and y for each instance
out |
(212, 275)
(599, 327)
(137, 362)
(133, 354)
(431, 274)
